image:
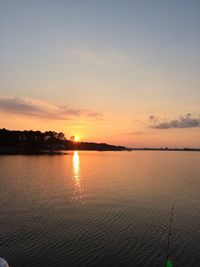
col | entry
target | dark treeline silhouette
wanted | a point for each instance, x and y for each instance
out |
(28, 142)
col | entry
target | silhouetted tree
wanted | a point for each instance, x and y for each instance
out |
(33, 141)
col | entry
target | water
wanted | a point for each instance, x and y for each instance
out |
(99, 209)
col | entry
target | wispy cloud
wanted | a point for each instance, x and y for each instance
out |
(184, 121)
(42, 108)
(89, 57)
(98, 58)
(135, 133)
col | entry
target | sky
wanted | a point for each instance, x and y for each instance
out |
(122, 72)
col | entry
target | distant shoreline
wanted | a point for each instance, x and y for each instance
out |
(5, 151)
(49, 142)
(16, 151)
(30, 142)
(167, 149)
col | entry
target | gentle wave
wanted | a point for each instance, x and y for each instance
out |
(104, 211)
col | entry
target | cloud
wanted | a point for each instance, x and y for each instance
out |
(98, 58)
(42, 108)
(184, 121)
(89, 57)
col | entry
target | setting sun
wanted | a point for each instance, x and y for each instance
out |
(75, 138)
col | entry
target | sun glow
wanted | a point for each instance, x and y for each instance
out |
(76, 139)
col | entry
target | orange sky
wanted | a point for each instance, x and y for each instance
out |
(120, 72)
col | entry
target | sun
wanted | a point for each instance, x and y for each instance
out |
(75, 138)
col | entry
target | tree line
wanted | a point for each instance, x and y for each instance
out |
(31, 138)
(32, 141)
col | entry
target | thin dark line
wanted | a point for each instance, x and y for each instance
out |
(170, 232)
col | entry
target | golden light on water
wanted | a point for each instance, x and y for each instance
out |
(78, 192)
(76, 164)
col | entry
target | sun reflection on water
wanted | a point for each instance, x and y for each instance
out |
(78, 191)
(76, 164)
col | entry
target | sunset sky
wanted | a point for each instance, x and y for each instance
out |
(125, 72)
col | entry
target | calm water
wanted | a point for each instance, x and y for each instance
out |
(99, 209)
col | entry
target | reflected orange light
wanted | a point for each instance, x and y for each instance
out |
(78, 191)
(76, 165)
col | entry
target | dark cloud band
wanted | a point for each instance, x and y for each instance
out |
(41, 108)
(184, 121)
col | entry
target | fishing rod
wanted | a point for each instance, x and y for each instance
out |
(168, 257)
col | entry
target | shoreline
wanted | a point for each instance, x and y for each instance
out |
(15, 151)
